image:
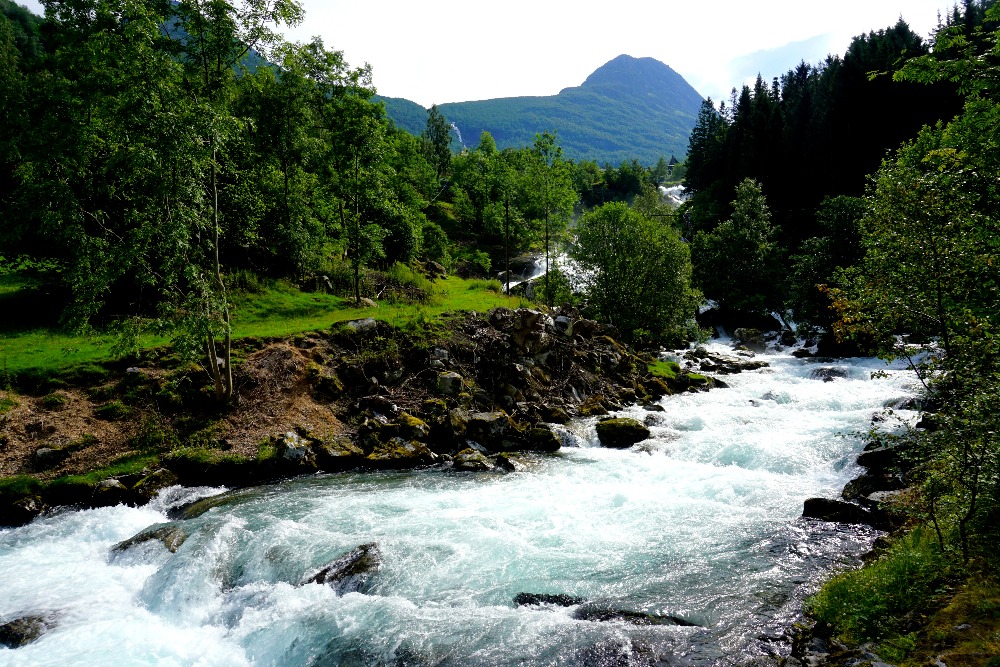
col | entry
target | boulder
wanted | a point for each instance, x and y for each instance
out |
(351, 572)
(18, 511)
(295, 453)
(338, 455)
(399, 454)
(45, 458)
(621, 432)
(170, 535)
(867, 484)
(495, 431)
(449, 383)
(471, 460)
(880, 459)
(828, 374)
(541, 439)
(24, 630)
(150, 485)
(603, 612)
(592, 406)
(752, 339)
(407, 427)
(826, 509)
(196, 508)
(111, 492)
(361, 326)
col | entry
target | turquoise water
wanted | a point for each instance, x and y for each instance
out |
(700, 522)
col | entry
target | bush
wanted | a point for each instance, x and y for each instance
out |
(55, 401)
(113, 411)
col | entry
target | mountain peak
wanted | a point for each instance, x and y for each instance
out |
(627, 77)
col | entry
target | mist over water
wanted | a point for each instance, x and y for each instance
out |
(699, 522)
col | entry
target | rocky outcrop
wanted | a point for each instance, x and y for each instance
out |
(621, 432)
(839, 511)
(24, 630)
(602, 612)
(558, 599)
(350, 573)
(170, 535)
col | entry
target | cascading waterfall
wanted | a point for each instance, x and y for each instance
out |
(700, 522)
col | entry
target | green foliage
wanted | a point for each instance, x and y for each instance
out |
(739, 262)
(866, 604)
(637, 271)
(491, 285)
(18, 486)
(7, 403)
(113, 411)
(664, 369)
(54, 401)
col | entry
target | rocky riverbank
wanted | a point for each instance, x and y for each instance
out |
(480, 392)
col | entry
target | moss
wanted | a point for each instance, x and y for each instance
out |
(113, 411)
(664, 369)
(7, 403)
(19, 486)
(55, 401)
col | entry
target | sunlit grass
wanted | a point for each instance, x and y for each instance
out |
(279, 310)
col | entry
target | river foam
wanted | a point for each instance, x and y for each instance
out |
(700, 522)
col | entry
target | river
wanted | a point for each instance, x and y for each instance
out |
(699, 522)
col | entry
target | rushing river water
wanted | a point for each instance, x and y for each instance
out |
(699, 522)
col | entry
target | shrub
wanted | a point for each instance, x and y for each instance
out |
(55, 401)
(487, 285)
(113, 411)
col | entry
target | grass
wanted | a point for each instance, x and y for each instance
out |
(866, 604)
(275, 310)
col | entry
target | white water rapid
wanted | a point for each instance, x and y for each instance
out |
(699, 522)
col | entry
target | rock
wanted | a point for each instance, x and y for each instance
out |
(398, 454)
(564, 325)
(602, 612)
(828, 374)
(295, 453)
(368, 303)
(435, 269)
(338, 455)
(752, 339)
(24, 630)
(621, 432)
(554, 414)
(111, 492)
(838, 511)
(351, 572)
(559, 600)
(495, 431)
(20, 511)
(472, 461)
(881, 459)
(407, 427)
(195, 509)
(170, 535)
(592, 406)
(867, 484)
(45, 458)
(449, 383)
(586, 328)
(361, 326)
(541, 439)
(802, 353)
(154, 482)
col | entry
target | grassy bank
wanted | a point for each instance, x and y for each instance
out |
(30, 338)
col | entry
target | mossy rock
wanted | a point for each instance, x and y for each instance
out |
(621, 432)
(592, 406)
(338, 455)
(154, 482)
(408, 427)
(471, 460)
(543, 439)
(195, 509)
(400, 454)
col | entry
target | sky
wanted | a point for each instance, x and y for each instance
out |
(437, 51)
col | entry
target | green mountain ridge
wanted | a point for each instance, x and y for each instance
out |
(628, 108)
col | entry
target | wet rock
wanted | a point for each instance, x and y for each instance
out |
(558, 599)
(881, 459)
(150, 485)
(828, 374)
(621, 432)
(541, 439)
(602, 612)
(554, 414)
(407, 427)
(295, 453)
(111, 492)
(592, 406)
(24, 630)
(351, 572)
(18, 511)
(170, 535)
(802, 353)
(472, 461)
(867, 484)
(495, 431)
(826, 509)
(196, 508)
(751, 339)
